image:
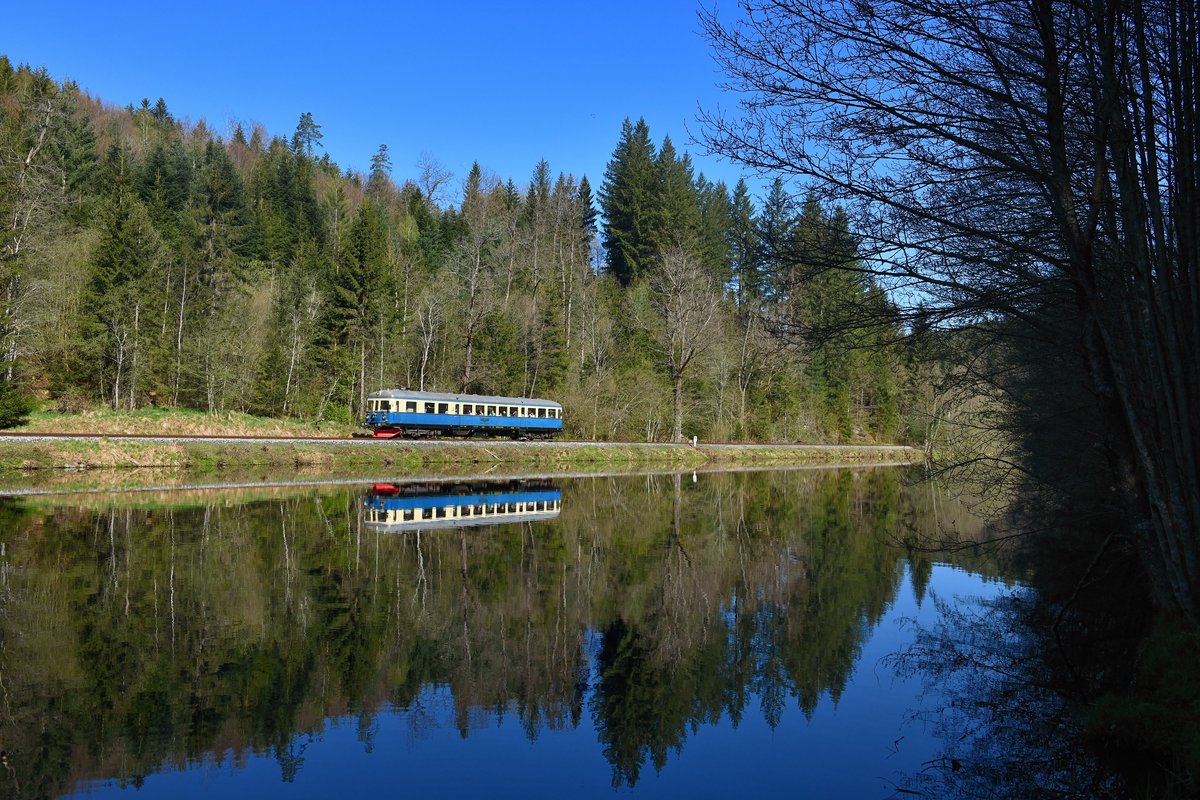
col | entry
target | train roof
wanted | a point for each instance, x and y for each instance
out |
(412, 394)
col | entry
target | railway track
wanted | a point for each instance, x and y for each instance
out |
(355, 440)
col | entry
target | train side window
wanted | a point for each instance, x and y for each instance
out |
(429, 407)
(443, 408)
(426, 513)
(491, 411)
(411, 406)
(386, 405)
(541, 413)
(441, 512)
(456, 408)
(408, 515)
(479, 511)
(512, 411)
(504, 411)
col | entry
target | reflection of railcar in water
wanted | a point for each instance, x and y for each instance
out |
(397, 508)
(400, 412)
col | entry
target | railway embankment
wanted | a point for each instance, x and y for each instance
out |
(31, 454)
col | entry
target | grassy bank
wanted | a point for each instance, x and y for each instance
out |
(214, 457)
(174, 422)
(26, 463)
(123, 462)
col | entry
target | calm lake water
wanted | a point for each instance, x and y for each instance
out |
(707, 636)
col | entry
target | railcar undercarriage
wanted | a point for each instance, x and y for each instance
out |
(461, 433)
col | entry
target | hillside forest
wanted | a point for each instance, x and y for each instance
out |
(146, 260)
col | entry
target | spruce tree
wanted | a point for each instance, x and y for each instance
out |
(628, 199)
(15, 405)
(713, 236)
(117, 299)
(745, 253)
(776, 225)
(588, 213)
(677, 221)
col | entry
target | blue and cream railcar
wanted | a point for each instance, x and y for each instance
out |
(401, 412)
(394, 509)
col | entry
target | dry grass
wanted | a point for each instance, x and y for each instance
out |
(177, 422)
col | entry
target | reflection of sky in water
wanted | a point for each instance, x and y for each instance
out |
(854, 749)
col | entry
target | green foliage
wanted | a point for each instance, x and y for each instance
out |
(15, 406)
(628, 202)
(307, 137)
(259, 274)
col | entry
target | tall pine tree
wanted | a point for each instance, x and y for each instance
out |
(629, 199)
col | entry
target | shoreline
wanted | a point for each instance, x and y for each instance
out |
(27, 462)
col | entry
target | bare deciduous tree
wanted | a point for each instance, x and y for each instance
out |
(432, 176)
(1034, 162)
(687, 307)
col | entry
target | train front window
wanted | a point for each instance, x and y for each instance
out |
(411, 406)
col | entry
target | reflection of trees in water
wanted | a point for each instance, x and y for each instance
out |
(138, 637)
(1005, 716)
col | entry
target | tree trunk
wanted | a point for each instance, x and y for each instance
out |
(678, 435)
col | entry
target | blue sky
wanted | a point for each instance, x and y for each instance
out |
(502, 83)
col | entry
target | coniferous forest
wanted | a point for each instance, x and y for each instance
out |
(147, 260)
